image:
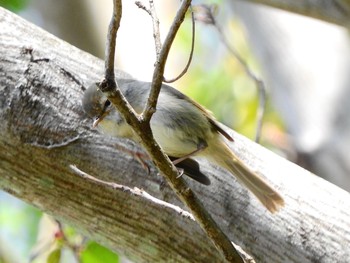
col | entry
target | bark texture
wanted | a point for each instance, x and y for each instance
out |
(44, 131)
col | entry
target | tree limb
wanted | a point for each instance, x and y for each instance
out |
(43, 131)
(333, 11)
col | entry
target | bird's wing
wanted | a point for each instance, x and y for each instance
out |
(207, 113)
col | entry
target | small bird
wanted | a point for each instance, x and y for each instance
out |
(183, 129)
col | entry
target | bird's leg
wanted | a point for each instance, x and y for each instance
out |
(202, 145)
(139, 156)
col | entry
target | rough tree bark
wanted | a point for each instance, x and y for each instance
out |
(43, 131)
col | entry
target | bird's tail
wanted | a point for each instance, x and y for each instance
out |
(225, 158)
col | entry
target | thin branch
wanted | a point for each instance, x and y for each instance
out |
(156, 35)
(204, 219)
(158, 74)
(258, 82)
(156, 31)
(246, 257)
(143, 7)
(205, 14)
(111, 41)
(261, 109)
(109, 84)
(141, 126)
(135, 191)
(155, 22)
(191, 52)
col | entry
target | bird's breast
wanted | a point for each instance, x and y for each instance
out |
(116, 128)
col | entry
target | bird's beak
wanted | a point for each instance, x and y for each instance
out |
(99, 119)
(96, 122)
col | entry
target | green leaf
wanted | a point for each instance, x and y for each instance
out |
(54, 256)
(95, 253)
(14, 5)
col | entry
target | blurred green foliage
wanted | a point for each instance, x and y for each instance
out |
(14, 5)
(218, 81)
(19, 222)
(54, 256)
(95, 253)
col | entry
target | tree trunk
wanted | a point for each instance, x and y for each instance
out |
(44, 131)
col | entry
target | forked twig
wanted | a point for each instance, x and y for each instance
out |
(141, 126)
(158, 74)
(157, 40)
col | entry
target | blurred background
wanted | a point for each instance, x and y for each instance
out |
(302, 61)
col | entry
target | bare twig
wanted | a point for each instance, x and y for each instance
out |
(205, 15)
(157, 41)
(261, 109)
(135, 191)
(155, 22)
(111, 41)
(246, 257)
(143, 7)
(160, 63)
(156, 31)
(141, 126)
(191, 52)
(258, 82)
(109, 84)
